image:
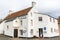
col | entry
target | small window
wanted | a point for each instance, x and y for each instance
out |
(21, 22)
(50, 20)
(51, 29)
(55, 30)
(7, 27)
(44, 28)
(40, 18)
(31, 14)
(31, 22)
(31, 31)
(53, 20)
(21, 31)
(15, 21)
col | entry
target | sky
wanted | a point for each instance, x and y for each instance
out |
(51, 7)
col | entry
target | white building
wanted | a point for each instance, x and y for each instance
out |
(29, 23)
(1, 26)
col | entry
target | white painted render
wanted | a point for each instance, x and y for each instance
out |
(8, 31)
(41, 24)
(16, 25)
(1, 27)
(26, 25)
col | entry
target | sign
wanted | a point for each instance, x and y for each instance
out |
(44, 28)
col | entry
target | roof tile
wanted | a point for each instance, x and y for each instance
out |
(19, 13)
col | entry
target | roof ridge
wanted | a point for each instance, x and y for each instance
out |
(18, 13)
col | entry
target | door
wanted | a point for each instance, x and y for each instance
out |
(15, 33)
(40, 32)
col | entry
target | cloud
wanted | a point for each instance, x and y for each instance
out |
(51, 7)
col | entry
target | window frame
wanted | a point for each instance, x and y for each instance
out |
(40, 18)
(21, 32)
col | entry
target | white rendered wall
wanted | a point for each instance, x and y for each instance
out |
(41, 24)
(1, 27)
(8, 31)
(24, 26)
(12, 24)
(53, 25)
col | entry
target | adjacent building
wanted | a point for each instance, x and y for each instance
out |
(1, 26)
(59, 25)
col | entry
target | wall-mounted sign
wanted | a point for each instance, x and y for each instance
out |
(44, 28)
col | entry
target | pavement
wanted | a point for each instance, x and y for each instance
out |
(2, 37)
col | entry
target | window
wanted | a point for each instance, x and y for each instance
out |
(51, 29)
(21, 31)
(31, 14)
(40, 18)
(53, 20)
(50, 19)
(31, 31)
(31, 22)
(7, 27)
(55, 30)
(15, 21)
(21, 22)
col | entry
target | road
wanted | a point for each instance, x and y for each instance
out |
(8, 38)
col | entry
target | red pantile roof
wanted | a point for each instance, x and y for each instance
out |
(19, 13)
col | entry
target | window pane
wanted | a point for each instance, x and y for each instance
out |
(21, 31)
(40, 18)
(50, 19)
(31, 31)
(51, 29)
(21, 22)
(53, 20)
(31, 22)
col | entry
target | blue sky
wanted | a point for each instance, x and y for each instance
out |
(51, 7)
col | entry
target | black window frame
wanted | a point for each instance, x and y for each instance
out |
(21, 32)
(40, 18)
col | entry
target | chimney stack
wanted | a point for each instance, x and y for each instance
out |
(59, 16)
(10, 12)
(33, 4)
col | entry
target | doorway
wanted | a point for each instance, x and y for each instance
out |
(15, 33)
(40, 32)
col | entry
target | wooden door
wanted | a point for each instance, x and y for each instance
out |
(40, 32)
(15, 33)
